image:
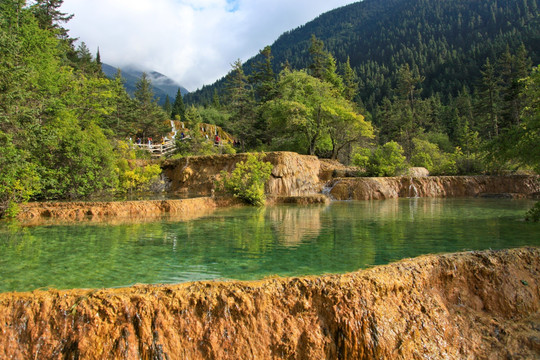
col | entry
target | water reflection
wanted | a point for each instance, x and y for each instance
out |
(251, 243)
(293, 224)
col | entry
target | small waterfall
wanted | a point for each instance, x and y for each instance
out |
(413, 191)
(327, 189)
(173, 129)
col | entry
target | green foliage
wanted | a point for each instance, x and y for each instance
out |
(385, 160)
(152, 119)
(178, 107)
(136, 178)
(213, 115)
(520, 143)
(247, 180)
(74, 161)
(361, 158)
(312, 113)
(19, 180)
(469, 164)
(534, 213)
(428, 155)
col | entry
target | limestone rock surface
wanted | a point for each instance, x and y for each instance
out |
(474, 305)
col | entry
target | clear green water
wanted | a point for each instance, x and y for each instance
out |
(249, 243)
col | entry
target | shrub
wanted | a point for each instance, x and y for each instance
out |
(534, 213)
(361, 158)
(386, 160)
(136, 178)
(428, 155)
(247, 180)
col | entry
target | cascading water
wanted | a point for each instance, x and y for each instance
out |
(327, 189)
(173, 129)
(413, 191)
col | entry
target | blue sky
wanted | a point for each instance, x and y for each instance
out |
(192, 41)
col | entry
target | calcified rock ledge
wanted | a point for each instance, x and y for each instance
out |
(514, 186)
(475, 305)
(120, 211)
(292, 174)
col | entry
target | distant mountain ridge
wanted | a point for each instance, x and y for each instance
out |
(161, 84)
(448, 41)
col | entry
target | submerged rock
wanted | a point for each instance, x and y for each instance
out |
(453, 306)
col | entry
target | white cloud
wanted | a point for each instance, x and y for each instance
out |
(192, 41)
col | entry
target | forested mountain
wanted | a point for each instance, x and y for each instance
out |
(446, 41)
(161, 84)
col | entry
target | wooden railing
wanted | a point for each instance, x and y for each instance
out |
(168, 146)
(158, 150)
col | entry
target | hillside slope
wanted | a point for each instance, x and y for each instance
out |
(448, 41)
(161, 84)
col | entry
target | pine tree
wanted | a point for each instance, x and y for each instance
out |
(319, 58)
(167, 106)
(242, 106)
(488, 100)
(407, 81)
(215, 100)
(350, 81)
(150, 116)
(512, 69)
(263, 78)
(178, 107)
(50, 17)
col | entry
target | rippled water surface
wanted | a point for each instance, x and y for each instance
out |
(252, 243)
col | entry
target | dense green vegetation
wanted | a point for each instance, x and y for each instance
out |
(61, 120)
(449, 86)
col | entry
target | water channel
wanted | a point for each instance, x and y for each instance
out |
(251, 243)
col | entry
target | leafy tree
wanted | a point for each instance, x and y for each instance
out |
(533, 214)
(195, 143)
(121, 120)
(74, 162)
(512, 68)
(313, 113)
